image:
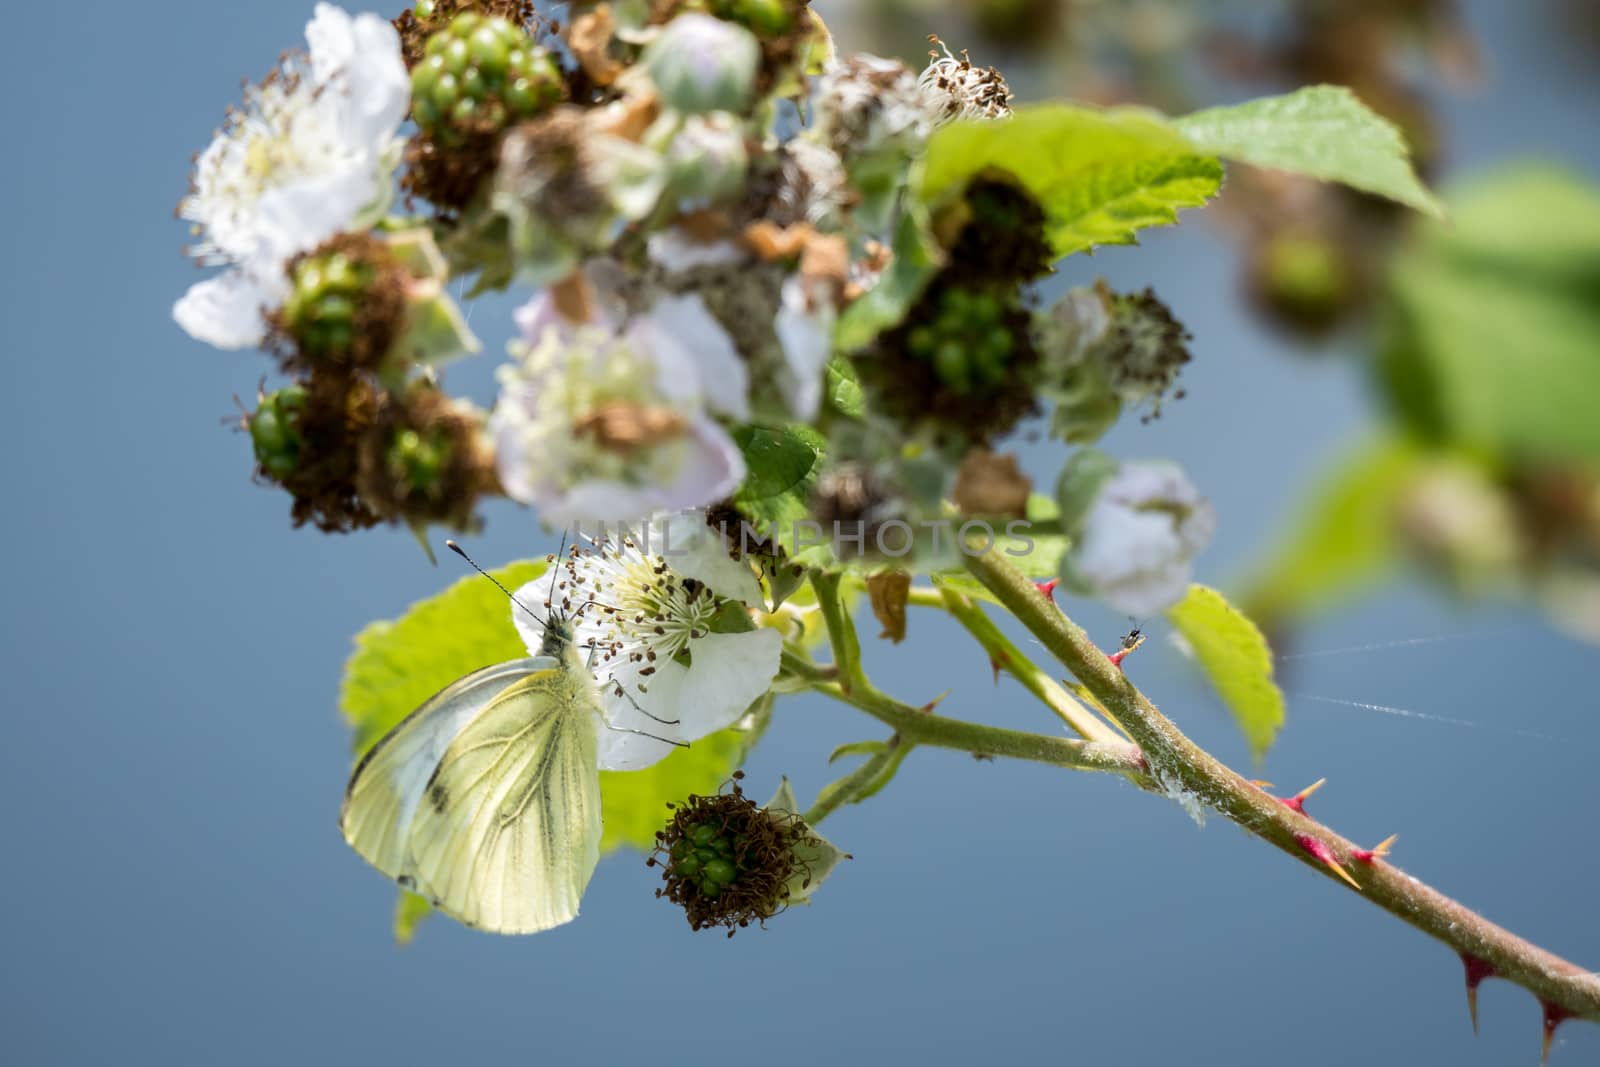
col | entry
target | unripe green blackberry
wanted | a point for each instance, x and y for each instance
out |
(274, 431)
(418, 460)
(968, 340)
(766, 18)
(320, 312)
(481, 72)
(728, 862)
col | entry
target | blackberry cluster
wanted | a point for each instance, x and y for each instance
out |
(481, 73)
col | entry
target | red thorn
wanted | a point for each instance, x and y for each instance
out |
(935, 702)
(1048, 589)
(1298, 801)
(1554, 1016)
(1372, 855)
(1324, 855)
(1477, 971)
(995, 664)
(1261, 784)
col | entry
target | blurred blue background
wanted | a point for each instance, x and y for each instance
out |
(171, 758)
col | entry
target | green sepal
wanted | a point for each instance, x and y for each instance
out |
(816, 855)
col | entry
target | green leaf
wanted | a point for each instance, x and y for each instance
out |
(782, 465)
(779, 460)
(1100, 175)
(634, 803)
(399, 664)
(855, 748)
(1235, 657)
(1322, 131)
(917, 258)
(409, 911)
(1343, 537)
(844, 388)
(1493, 325)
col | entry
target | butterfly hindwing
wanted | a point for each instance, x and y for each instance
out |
(506, 831)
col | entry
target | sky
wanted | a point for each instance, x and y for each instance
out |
(171, 756)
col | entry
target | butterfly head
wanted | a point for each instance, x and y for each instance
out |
(558, 635)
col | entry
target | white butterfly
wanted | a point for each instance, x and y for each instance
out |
(486, 799)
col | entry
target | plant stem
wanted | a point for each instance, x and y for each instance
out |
(1006, 656)
(920, 726)
(1178, 763)
(841, 631)
(859, 783)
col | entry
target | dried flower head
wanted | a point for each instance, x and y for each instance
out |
(956, 88)
(728, 862)
(1144, 350)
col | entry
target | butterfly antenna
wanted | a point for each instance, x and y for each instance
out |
(555, 569)
(457, 549)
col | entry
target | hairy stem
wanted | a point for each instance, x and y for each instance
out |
(1177, 761)
(859, 783)
(922, 727)
(1007, 657)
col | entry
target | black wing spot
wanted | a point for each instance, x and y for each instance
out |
(438, 797)
(406, 882)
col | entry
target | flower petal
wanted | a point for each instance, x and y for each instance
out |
(806, 336)
(358, 61)
(530, 629)
(631, 738)
(729, 672)
(710, 471)
(694, 354)
(299, 216)
(697, 551)
(225, 311)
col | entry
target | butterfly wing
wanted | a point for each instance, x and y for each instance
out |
(507, 832)
(386, 786)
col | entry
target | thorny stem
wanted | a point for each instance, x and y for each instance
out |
(1006, 656)
(1175, 761)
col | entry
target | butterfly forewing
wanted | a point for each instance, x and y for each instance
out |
(386, 785)
(507, 830)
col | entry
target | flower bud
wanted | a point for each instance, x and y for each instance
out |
(1456, 519)
(700, 63)
(1136, 528)
(708, 159)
